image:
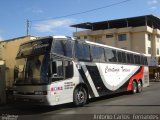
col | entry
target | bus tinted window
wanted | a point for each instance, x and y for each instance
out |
(145, 61)
(119, 56)
(82, 51)
(86, 52)
(132, 58)
(97, 54)
(68, 69)
(110, 55)
(101, 55)
(142, 60)
(128, 58)
(137, 59)
(63, 47)
(123, 57)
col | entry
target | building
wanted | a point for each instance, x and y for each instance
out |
(8, 52)
(2, 83)
(140, 34)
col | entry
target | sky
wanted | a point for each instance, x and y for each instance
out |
(46, 16)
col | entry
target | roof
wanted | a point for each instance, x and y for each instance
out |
(149, 20)
(13, 39)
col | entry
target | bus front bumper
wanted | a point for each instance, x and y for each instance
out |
(31, 99)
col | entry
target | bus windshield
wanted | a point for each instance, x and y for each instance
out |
(32, 70)
(32, 63)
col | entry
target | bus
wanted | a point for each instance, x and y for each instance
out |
(58, 69)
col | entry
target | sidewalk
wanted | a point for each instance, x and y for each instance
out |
(153, 80)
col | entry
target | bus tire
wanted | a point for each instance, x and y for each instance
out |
(139, 89)
(134, 87)
(80, 96)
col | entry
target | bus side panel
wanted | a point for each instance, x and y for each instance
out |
(145, 79)
(116, 77)
(107, 78)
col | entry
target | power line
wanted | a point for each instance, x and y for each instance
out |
(83, 12)
(73, 14)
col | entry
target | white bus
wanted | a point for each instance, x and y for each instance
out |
(56, 70)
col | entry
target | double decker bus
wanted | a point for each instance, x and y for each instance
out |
(57, 69)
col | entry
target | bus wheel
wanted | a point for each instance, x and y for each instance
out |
(134, 87)
(139, 87)
(80, 96)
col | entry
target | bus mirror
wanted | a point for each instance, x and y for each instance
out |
(20, 68)
(55, 75)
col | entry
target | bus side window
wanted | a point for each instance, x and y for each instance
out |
(128, 58)
(82, 51)
(97, 54)
(57, 69)
(132, 58)
(110, 55)
(142, 60)
(63, 47)
(123, 57)
(119, 56)
(68, 69)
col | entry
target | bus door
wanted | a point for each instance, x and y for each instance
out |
(62, 84)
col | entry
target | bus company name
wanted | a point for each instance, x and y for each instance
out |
(34, 47)
(40, 46)
(116, 70)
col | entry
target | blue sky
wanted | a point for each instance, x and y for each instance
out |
(14, 14)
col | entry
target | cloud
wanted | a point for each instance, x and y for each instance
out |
(153, 4)
(37, 11)
(153, 7)
(52, 25)
(34, 10)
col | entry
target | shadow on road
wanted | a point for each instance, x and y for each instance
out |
(16, 109)
(19, 109)
(25, 109)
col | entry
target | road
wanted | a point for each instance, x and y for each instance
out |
(147, 102)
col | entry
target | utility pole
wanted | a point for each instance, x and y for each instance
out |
(27, 26)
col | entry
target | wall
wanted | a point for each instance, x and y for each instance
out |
(2, 84)
(10, 49)
(138, 42)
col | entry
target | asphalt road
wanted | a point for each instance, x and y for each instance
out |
(119, 106)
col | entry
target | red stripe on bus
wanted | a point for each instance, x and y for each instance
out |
(136, 77)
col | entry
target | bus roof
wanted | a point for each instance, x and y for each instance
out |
(86, 41)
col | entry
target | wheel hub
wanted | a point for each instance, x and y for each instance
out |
(80, 97)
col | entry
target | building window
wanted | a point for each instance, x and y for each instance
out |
(78, 37)
(98, 39)
(122, 37)
(157, 51)
(109, 35)
(149, 50)
(149, 37)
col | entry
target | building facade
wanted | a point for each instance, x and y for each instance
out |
(140, 34)
(8, 52)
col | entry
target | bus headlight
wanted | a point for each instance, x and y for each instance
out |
(40, 92)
